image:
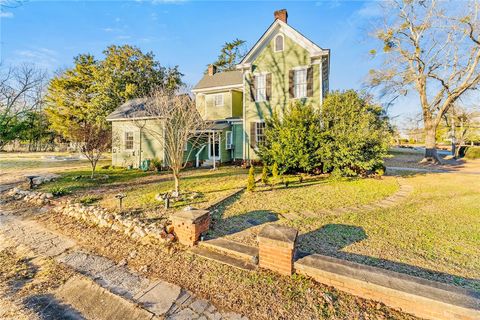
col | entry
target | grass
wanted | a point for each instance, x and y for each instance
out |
(433, 233)
(36, 160)
(200, 187)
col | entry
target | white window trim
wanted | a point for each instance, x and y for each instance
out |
(215, 100)
(275, 43)
(263, 74)
(302, 68)
(228, 146)
(125, 141)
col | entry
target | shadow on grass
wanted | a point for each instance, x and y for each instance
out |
(331, 239)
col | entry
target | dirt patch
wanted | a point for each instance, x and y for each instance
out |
(26, 285)
(259, 295)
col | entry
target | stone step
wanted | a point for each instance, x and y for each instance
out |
(224, 259)
(232, 248)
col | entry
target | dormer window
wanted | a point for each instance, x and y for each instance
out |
(279, 43)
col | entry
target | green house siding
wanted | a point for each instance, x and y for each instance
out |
(278, 64)
(237, 104)
(147, 142)
(237, 130)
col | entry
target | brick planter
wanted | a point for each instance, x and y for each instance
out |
(276, 246)
(189, 224)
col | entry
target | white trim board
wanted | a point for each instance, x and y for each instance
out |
(280, 27)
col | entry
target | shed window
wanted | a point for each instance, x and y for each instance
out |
(261, 87)
(128, 140)
(300, 83)
(218, 100)
(279, 43)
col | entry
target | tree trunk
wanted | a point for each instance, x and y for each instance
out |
(431, 154)
(176, 177)
(94, 164)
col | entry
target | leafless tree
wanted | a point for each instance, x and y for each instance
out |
(464, 126)
(180, 124)
(21, 91)
(92, 140)
(433, 48)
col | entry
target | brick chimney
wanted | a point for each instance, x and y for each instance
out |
(281, 15)
(212, 69)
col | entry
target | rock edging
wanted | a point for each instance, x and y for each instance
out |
(131, 227)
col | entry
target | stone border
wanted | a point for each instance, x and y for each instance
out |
(420, 297)
(132, 227)
(33, 197)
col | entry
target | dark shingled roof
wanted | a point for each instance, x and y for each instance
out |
(134, 108)
(220, 79)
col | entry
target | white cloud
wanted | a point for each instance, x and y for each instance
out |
(6, 14)
(42, 57)
(123, 37)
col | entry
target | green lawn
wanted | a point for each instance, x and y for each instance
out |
(201, 187)
(436, 228)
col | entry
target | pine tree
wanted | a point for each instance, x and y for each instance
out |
(251, 179)
(275, 172)
(265, 175)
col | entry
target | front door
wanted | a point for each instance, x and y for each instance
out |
(214, 146)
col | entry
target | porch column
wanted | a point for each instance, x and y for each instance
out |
(213, 151)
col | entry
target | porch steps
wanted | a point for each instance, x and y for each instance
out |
(232, 248)
(224, 259)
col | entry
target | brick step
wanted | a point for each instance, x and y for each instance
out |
(232, 248)
(224, 259)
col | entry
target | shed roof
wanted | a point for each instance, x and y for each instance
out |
(134, 108)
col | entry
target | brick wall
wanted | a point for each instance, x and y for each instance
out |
(276, 247)
(189, 229)
(275, 257)
(411, 302)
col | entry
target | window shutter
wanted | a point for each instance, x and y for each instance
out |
(268, 86)
(253, 134)
(253, 88)
(310, 81)
(291, 75)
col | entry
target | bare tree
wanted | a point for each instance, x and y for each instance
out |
(464, 125)
(92, 139)
(433, 48)
(21, 91)
(179, 124)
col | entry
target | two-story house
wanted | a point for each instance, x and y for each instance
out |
(283, 66)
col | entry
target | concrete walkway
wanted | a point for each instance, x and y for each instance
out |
(122, 289)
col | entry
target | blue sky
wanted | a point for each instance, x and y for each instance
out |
(186, 33)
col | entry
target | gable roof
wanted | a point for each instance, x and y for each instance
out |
(221, 79)
(134, 108)
(278, 26)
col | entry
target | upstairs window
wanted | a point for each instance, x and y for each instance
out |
(218, 100)
(128, 140)
(261, 85)
(300, 83)
(279, 43)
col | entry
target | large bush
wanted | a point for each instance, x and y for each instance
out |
(292, 139)
(473, 153)
(348, 135)
(356, 134)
